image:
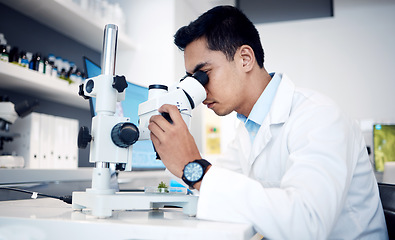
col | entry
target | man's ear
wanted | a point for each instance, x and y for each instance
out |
(247, 57)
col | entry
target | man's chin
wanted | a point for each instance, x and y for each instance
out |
(220, 113)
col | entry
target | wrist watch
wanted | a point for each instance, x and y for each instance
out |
(194, 171)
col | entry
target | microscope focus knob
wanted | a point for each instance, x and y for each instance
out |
(119, 83)
(124, 134)
(84, 137)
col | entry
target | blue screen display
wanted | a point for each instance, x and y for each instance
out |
(143, 154)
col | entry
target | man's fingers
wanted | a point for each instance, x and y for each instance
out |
(161, 129)
(173, 111)
(155, 128)
(154, 139)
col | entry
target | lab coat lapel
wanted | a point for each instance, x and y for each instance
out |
(278, 114)
(245, 146)
(262, 138)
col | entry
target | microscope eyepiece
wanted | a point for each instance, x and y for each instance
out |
(201, 77)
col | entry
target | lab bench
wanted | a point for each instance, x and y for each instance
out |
(47, 218)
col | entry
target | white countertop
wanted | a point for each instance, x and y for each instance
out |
(46, 218)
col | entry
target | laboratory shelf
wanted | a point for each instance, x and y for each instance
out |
(68, 18)
(22, 80)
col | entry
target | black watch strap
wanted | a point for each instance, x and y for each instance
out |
(204, 163)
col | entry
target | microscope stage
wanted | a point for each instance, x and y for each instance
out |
(103, 204)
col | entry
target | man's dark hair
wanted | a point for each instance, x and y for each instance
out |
(225, 28)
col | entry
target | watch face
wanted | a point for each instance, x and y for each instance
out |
(193, 171)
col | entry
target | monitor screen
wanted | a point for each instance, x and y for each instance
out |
(384, 145)
(143, 154)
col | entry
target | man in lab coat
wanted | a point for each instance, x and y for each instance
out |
(297, 169)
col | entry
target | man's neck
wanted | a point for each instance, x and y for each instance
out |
(255, 85)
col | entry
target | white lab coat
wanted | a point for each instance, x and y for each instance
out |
(307, 174)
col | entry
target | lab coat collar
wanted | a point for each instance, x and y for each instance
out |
(278, 114)
(282, 103)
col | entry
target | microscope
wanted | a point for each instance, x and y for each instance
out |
(9, 113)
(112, 137)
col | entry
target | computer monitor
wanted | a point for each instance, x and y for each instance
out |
(384, 145)
(143, 154)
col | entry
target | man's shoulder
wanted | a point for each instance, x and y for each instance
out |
(313, 97)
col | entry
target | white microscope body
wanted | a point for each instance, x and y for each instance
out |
(9, 113)
(112, 137)
(188, 93)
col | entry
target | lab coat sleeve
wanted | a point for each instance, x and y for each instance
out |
(311, 191)
(218, 202)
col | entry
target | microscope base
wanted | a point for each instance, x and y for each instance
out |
(103, 204)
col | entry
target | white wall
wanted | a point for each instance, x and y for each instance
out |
(349, 57)
(150, 24)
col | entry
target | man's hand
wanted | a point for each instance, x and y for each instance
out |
(173, 141)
